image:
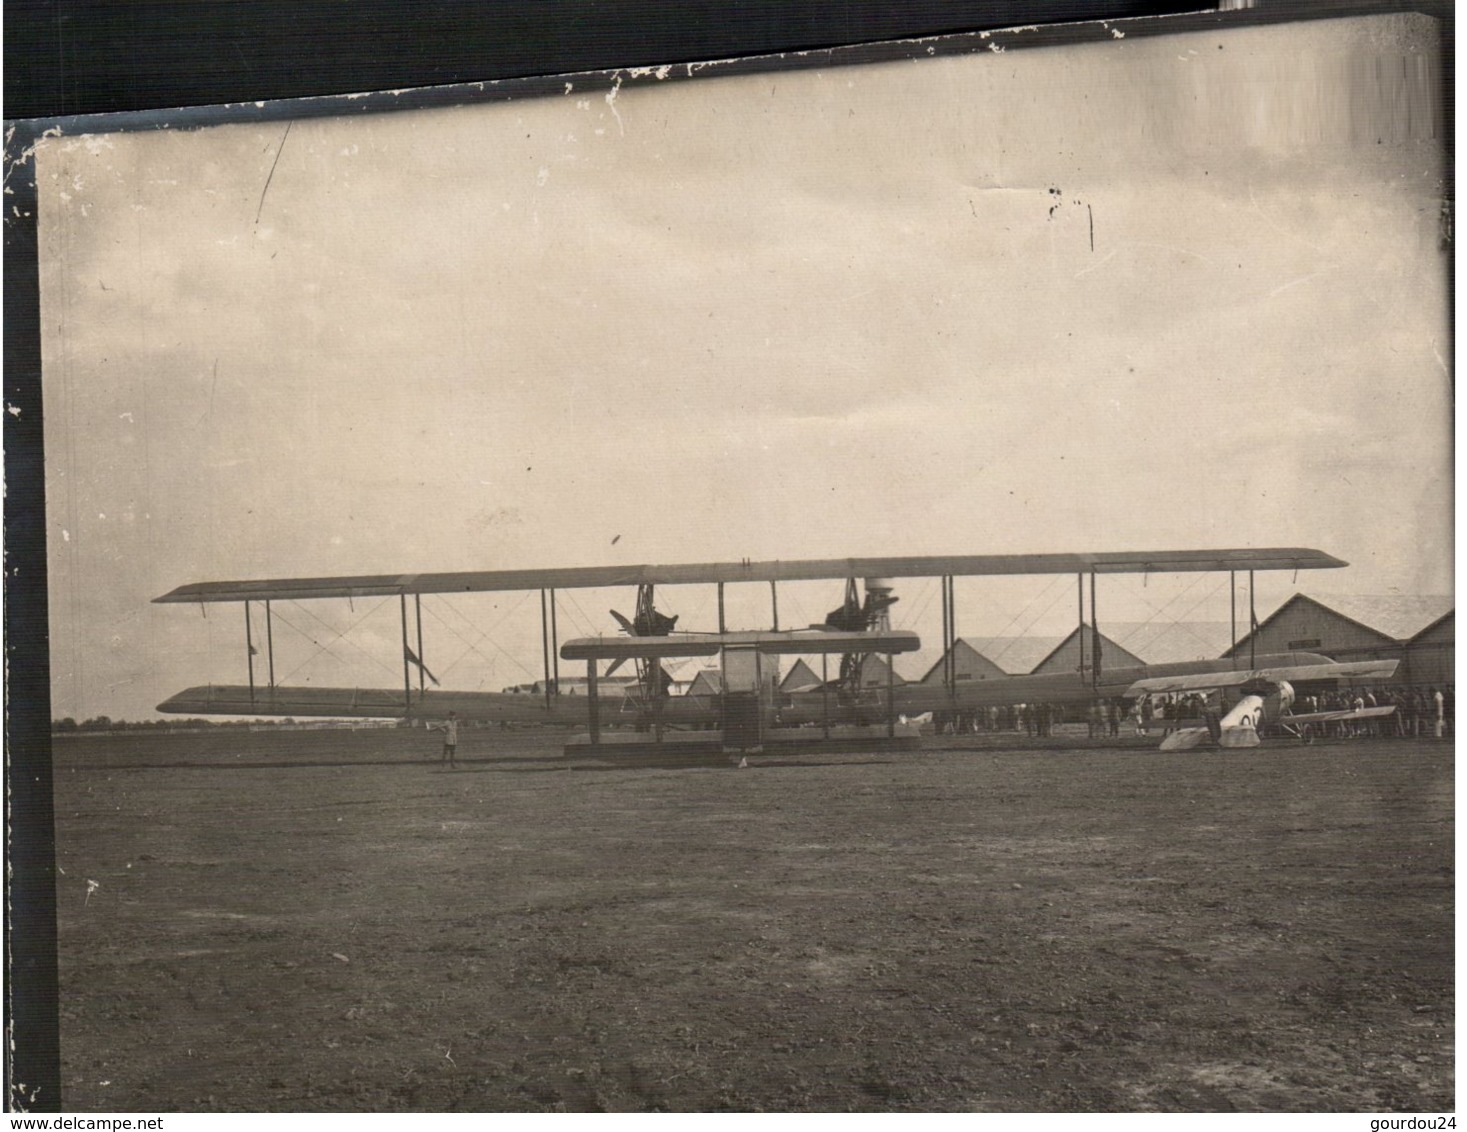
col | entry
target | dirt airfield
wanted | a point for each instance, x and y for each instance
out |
(328, 920)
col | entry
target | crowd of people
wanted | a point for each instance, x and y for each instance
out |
(1419, 713)
(1102, 717)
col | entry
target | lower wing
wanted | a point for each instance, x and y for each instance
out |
(1335, 716)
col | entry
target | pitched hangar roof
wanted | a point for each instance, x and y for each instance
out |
(1398, 616)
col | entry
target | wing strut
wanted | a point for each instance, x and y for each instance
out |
(593, 705)
(1233, 613)
(947, 663)
(890, 697)
(1252, 624)
(550, 644)
(545, 646)
(270, 645)
(949, 636)
(952, 628)
(1094, 637)
(422, 664)
(407, 682)
(250, 651)
(825, 694)
(1080, 598)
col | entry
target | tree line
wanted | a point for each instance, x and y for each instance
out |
(68, 725)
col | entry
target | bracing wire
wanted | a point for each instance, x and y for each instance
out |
(915, 612)
(1004, 632)
(585, 624)
(1157, 612)
(524, 597)
(340, 635)
(1014, 620)
(1032, 622)
(473, 646)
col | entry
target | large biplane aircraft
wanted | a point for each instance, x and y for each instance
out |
(749, 712)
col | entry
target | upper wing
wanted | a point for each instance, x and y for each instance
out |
(1356, 669)
(582, 577)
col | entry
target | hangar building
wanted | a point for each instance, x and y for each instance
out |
(971, 665)
(800, 676)
(1419, 631)
(1123, 644)
(875, 672)
(708, 682)
(1065, 656)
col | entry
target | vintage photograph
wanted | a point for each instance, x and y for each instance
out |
(915, 578)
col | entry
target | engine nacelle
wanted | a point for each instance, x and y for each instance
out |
(1263, 702)
(1280, 703)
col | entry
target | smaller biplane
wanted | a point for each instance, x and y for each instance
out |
(1266, 697)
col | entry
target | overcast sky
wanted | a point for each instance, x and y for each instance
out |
(1155, 293)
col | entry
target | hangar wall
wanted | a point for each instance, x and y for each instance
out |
(1066, 658)
(1305, 624)
(971, 665)
(1431, 655)
(1302, 624)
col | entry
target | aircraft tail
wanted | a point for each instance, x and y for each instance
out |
(1183, 739)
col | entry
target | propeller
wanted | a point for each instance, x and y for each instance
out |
(648, 622)
(855, 617)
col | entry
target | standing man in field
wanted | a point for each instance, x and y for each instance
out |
(449, 727)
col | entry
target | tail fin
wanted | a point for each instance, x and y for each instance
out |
(1184, 739)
